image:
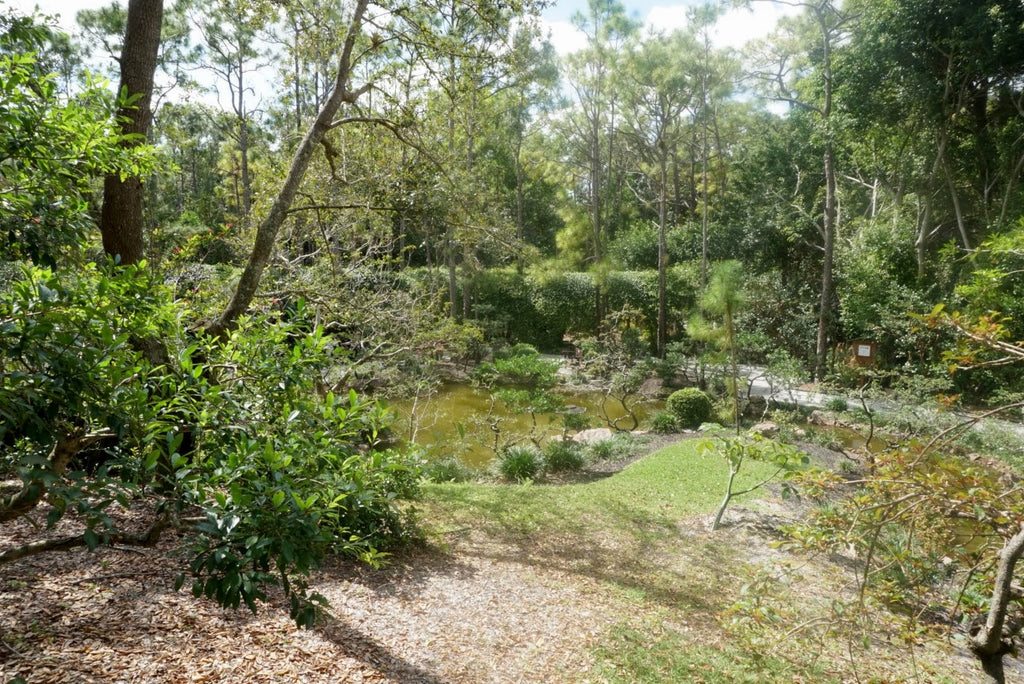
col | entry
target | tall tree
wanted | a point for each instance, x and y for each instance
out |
(266, 234)
(591, 127)
(411, 27)
(938, 84)
(799, 71)
(229, 33)
(533, 75)
(658, 94)
(121, 220)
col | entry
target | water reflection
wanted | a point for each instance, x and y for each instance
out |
(460, 420)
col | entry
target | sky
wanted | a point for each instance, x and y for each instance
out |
(737, 26)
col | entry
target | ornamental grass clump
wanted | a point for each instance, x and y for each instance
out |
(562, 456)
(519, 464)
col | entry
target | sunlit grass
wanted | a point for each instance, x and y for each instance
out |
(656, 491)
(633, 532)
(643, 535)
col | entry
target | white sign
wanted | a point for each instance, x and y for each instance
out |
(863, 350)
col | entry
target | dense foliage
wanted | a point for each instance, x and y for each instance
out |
(418, 191)
(690, 407)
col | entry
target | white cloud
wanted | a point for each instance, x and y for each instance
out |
(666, 18)
(734, 28)
(565, 37)
(740, 25)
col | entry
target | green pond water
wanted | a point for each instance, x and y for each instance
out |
(454, 420)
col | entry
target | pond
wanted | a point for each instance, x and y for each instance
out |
(456, 420)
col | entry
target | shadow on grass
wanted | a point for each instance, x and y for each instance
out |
(629, 547)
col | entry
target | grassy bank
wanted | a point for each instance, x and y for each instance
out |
(641, 537)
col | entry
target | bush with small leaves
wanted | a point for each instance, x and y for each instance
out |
(664, 422)
(560, 456)
(519, 464)
(690, 406)
(516, 350)
(575, 421)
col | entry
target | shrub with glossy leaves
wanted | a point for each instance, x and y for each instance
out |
(288, 476)
(72, 375)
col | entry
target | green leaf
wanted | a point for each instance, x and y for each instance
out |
(91, 539)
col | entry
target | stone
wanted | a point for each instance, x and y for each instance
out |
(765, 428)
(593, 435)
(652, 387)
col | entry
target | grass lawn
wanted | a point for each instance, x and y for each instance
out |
(642, 533)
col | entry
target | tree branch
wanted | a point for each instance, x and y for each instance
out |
(148, 538)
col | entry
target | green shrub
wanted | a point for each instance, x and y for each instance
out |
(621, 446)
(603, 450)
(664, 422)
(566, 302)
(448, 469)
(837, 404)
(519, 464)
(690, 406)
(515, 351)
(576, 422)
(503, 306)
(561, 456)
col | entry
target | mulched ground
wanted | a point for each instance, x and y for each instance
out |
(470, 608)
(470, 614)
(476, 612)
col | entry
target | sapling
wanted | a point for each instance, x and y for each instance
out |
(737, 448)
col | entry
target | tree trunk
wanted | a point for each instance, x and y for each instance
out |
(663, 252)
(828, 222)
(988, 642)
(33, 491)
(828, 258)
(520, 210)
(266, 234)
(121, 224)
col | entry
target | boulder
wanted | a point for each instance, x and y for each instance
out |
(765, 428)
(653, 387)
(593, 435)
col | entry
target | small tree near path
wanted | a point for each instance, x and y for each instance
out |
(923, 516)
(737, 449)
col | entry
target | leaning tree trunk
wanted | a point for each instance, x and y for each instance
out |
(121, 216)
(266, 234)
(989, 643)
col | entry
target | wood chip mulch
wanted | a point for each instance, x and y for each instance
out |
(458, 616)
